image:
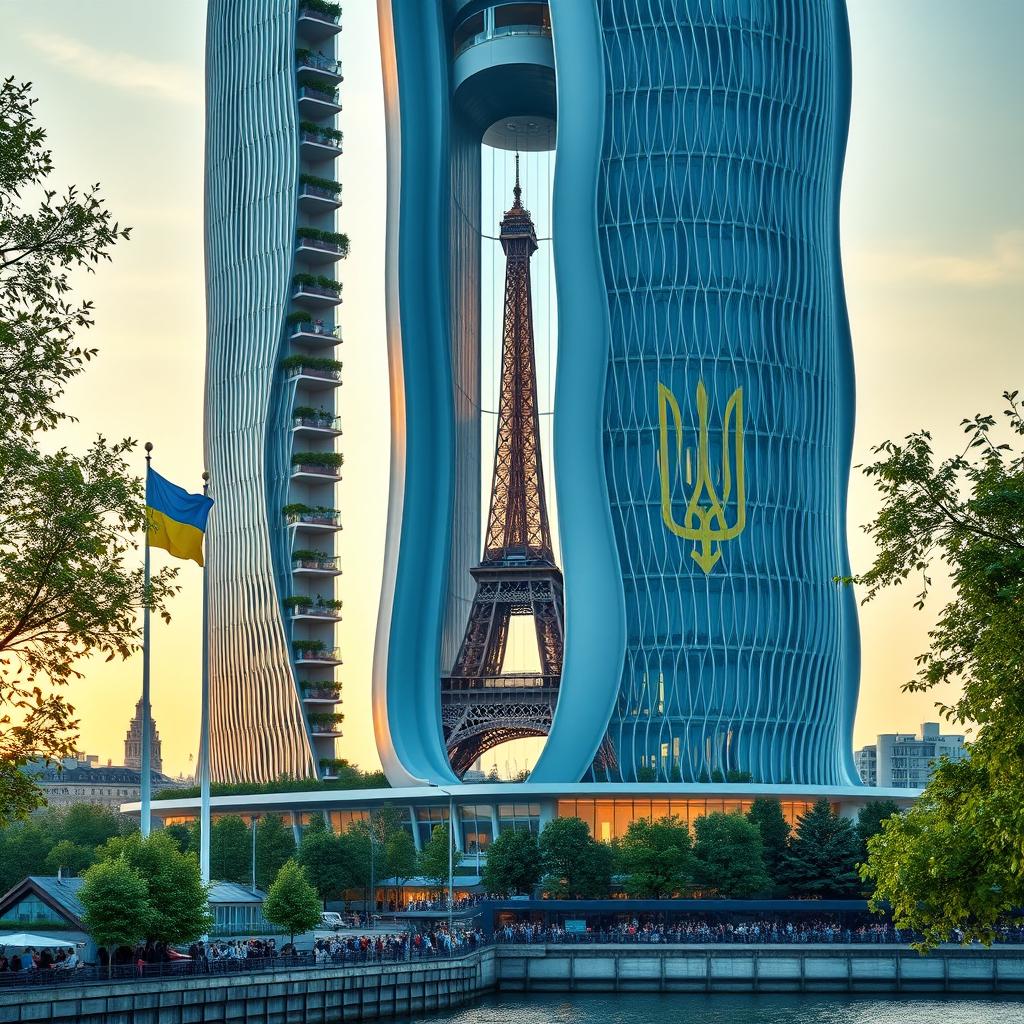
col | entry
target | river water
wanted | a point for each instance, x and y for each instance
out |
(731, 1009)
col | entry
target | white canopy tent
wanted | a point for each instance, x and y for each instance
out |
(25, 940)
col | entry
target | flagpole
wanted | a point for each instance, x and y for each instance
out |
(204, 723)
(147, 754)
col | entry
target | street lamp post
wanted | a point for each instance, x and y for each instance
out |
(255, 819)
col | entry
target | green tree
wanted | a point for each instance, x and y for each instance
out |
(91, 826)
(869, 821)
(656, 858)
(230, 849)
(766, 814)
(575, 865)
(325, 858)
(116, 906)
(292, 903)
(178, 900)
(513, 863)
(275, 845)
(400, 857)
(822, 856)
(68, 858)
(433, 858)
(182, 836)
(956, 859)
(729, 856)
(70, 584)
(24, 846)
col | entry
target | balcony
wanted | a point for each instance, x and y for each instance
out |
(313, 652)
(314, 333)
(309, 517)
(311, 67)
(316, 146)
(314, 424)
(326, 694)
(319, 198)
(316, 474)
(313, 379)
(319, 21)
(317, 294)
(310, 613)
(313, 563)
(315, 246)
(317, 104)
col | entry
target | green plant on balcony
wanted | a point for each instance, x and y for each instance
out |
(328, 184)
(309, 646)
(298, 318)
(297, 601)
(327, 685)
(321, 7)
(325, 460)
(304, 555)
(316, 281)
(313, 128)
(296, 509)
(326, 719)
(300, 362)
(322, 87)
(330, 237)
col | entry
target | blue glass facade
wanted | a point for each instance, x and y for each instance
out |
(704, 400)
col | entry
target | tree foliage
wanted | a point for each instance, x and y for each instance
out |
(729, 856)
(400, 856)
(275, 845)
(575, 864)
(230, 848)
(292, 903)
(433, 860)
(326, 859)
(68, 584)
(823, 855)
(656, 858)
(513, 863)
(956, 859)
(177, 899)
(766, 814)
(116, 904)
(870, 819)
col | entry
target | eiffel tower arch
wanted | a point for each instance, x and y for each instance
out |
(482, 707)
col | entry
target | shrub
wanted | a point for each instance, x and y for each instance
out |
(322, 7)
(316, 280)
(326, 460)
(326, 183)
(299, 318)
(318, 129)
(310, 363)
(297, 601)
(322, 87)
(326, 718)
(307, 555)
(310, 646)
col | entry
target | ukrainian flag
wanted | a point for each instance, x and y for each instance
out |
(177, 519)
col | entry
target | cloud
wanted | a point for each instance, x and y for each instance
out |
(1002, 263)
(119, 70)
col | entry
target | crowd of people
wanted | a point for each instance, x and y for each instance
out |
(435, 942)
(461, 903)
(708, 931)
(64, 959)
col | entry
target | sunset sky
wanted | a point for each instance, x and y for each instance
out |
(933, 247)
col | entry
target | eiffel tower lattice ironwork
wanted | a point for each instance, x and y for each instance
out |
(480, 706)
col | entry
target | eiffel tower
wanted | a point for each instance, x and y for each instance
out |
(480, 706)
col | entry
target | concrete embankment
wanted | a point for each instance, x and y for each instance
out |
(334, 994)
(307, 996)
(656, 968)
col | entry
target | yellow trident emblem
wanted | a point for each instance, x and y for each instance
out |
(704, 520)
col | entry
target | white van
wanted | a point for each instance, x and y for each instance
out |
(330, 919)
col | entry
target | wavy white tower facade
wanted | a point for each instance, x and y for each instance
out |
(271, 423)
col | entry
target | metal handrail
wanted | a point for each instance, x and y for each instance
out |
(502, 32)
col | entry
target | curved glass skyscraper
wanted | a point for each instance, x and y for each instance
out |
(271, 381)
(705, 390)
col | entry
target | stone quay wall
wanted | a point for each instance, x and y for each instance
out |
(324, 995)
(330, 995)
(796, 968)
